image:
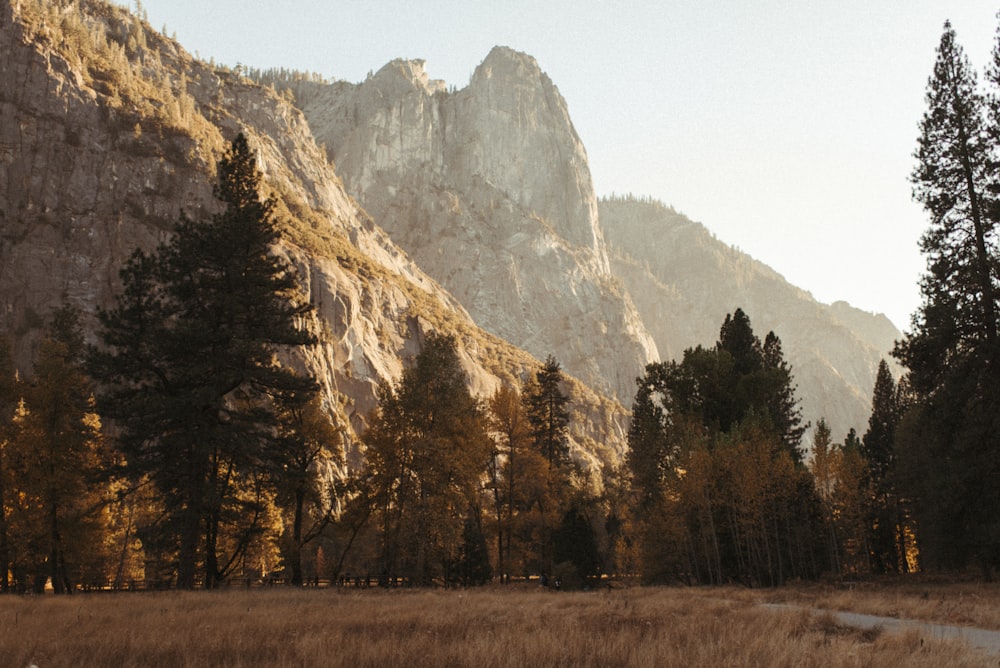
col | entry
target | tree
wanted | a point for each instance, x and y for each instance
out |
(722, 419)
(886, 521)
(548, 414)
(952, 352)
(8, 404)
(189, 368)
(57, 461)
(301, 471)
(427, 452)
(508, 425)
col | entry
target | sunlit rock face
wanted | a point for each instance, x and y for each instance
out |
(100, 158)
(684, 281)
(488, 189)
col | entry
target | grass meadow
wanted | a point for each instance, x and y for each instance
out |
(485, 627)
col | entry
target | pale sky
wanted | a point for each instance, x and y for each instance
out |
(786, 127)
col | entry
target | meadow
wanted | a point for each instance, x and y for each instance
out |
(486, 627)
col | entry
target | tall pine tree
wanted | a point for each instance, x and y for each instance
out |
(189, 368)
(952, 437)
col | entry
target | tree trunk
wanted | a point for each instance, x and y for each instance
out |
(296, 547)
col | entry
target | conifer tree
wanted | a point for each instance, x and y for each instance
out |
(189, 369)
(952, 439)
(548, 413)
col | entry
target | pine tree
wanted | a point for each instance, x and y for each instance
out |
(548, 413)
(878, 448)
(952, 439)
(189, 367)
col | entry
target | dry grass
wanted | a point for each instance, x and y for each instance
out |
(961, 604)
(483, 628)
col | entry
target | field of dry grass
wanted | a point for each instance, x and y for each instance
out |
(483, 628)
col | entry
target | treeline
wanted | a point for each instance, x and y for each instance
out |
(723, 492)
(181, 452)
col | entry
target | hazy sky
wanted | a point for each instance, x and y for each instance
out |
(786, 127)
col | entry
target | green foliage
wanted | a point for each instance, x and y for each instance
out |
(547, 413)
(720, 490)
(190, 373)
(948, 443)
(574, 543)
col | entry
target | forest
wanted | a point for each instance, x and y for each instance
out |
(185, 449)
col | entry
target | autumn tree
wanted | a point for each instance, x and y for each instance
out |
(189, 368)
(8, 404)
(716, 465)
(427, 452)
(510, 431)
(57, 461)
(951, 440)
(302, 471)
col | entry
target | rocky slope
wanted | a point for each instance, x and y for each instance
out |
(109, 130)
(488, 187)
(684, 281)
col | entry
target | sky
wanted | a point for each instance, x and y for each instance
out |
(786, 127)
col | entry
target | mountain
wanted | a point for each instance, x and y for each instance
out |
(488, 189)
(684, 281)
(110, 130)
(407, 207)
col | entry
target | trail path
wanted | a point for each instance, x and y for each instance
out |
(983, 639)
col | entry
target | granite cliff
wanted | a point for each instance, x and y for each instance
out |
(109, 130)
(408, 207)
(489, 188)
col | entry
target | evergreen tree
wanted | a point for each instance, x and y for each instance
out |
(952, 440)
(189, 367)
(886, 521)
(548, 416)
(575, 545)
(548, 413)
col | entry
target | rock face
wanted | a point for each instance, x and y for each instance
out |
(109, 130)
(684, 281)
(489, 189)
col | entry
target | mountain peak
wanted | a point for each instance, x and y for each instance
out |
(503, 62)
(401, 73)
